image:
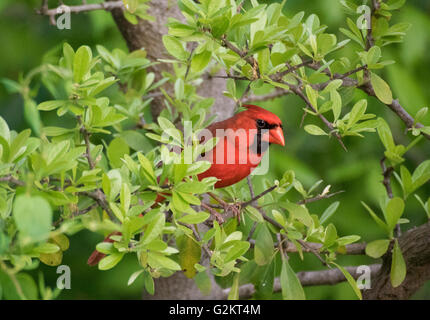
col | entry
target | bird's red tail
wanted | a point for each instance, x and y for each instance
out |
(97, 256)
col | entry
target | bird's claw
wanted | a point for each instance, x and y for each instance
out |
(235, 209)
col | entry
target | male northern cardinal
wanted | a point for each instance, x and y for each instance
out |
(259, 129)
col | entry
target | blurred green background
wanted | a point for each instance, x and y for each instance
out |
(26, 37)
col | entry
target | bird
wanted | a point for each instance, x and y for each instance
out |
(243, 140)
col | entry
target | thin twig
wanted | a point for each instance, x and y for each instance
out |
(330, 125)
(86, 136)
(12, 180)
(254, 199)
(386, 173)
(107, 6)
(320, 197)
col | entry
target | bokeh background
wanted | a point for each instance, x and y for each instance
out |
(26, 37)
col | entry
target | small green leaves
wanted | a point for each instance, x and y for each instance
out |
(175, 47)
(290, 284)
(398, 266)
(263, 249)
(377, 248)
(33, 217)
(153, 230)
(200, 61)
(147, 169)
(81, 63)
(116, 150)
(350, 280)
(110, 261)
(394, 211)
(189, 254)
(329, 212)
(299, 213)
(382, 89)
(315, 130)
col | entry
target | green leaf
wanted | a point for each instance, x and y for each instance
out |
(157, 260)
(385, 135)
(373, 55)
(81, 63)
(337, 104)
(299, 213)
(203, 282)
(329, 212)
(116, 150)
(51, 105)
(175, 47)
(237, 250)
(189, 254)
(375, 217)
(33, 217)
(315, 130)
(377, 248)
(154, 228)
(382, 89)
(148, 283)
(312, 94)
(134, 276)
(24, 280)
(200, 61)
(398, 266)
(47, 248)
(195, 218)
(234, 290)
(110, 261)
(421, 174)
(254, 214)
(147, 169)
(290, 284)
(357, 112)
(394, 211)
(406, 180)
(263, 249)
(350, 280)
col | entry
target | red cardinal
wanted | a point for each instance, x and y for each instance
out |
(238, 152)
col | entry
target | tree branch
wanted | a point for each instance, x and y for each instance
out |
(415, 246)
(309, 278)
(12, 180)
(107, 6)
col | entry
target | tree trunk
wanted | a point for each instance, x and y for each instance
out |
(415, 245)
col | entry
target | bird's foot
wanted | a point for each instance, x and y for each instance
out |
(215, 214)
(234, 208)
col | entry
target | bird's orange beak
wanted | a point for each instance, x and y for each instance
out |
(276, 136)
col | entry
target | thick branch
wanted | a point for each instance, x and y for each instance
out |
(415, 246)
(309, 278)
(51, 13)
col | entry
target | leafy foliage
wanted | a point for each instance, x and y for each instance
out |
(104, 171)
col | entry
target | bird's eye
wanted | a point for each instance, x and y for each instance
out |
(261, 123)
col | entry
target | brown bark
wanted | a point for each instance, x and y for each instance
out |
(415, 245)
